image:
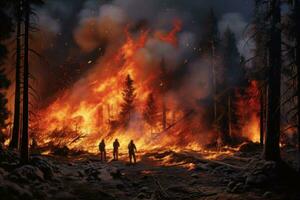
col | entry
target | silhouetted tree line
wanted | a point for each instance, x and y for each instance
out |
(18, 13)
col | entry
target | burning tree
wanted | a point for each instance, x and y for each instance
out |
(127, 106)
(150, 111)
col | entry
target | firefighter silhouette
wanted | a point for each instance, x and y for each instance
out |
(116, 146)
(102, 150)
(132, 150)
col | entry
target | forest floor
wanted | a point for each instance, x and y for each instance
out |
(158, 175)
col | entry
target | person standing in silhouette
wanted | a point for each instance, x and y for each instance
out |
(116, 146)
(132, 150)
(102, 150)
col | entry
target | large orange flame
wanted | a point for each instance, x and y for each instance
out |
(84, 114)
(80, 117)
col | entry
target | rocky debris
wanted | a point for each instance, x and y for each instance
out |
(93, 173)
(235, 187)
(267, 195)
(12, 191)
(45, 166)
(261, 173)
(203, 167)
(142, 196)
(26, 174)
(63, 196)
(250, 147)
(144, 193)
(61, 151)
(87, 178)
(116, 173)
(3, 172)
(8, 156)
(224, 170)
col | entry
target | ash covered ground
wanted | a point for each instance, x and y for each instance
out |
(159, 174)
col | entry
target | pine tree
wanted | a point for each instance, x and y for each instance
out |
(150, 111)
(233, 73)
(24, 141)
(259, 61)
(210, 36)
(16, 123)
(271, 148)
(210, 46)
(127, 107)
(27, 11)
(231, 60)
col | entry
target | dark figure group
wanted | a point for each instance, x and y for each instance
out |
(131, 151)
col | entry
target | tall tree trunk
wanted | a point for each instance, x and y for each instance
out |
(272, 150)
(262, 114)
(260, 61)
(164, 114)
(16, 124)
(229, 117)
(24, 144)
(297, 61)
(214, 83)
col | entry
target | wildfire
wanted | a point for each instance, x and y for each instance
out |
(90, 110)
(84, 114)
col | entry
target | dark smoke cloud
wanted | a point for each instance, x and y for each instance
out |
(64, 21)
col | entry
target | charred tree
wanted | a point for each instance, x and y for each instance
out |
(24, 141)
(262, 115)
(16, 123)
(163, 89)
(294, 38)
(233, 75)
(210, 37)
(127, 106)
(150, 111)
(297, 60)
(271, 148)
(259, 61)
(209, 45)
